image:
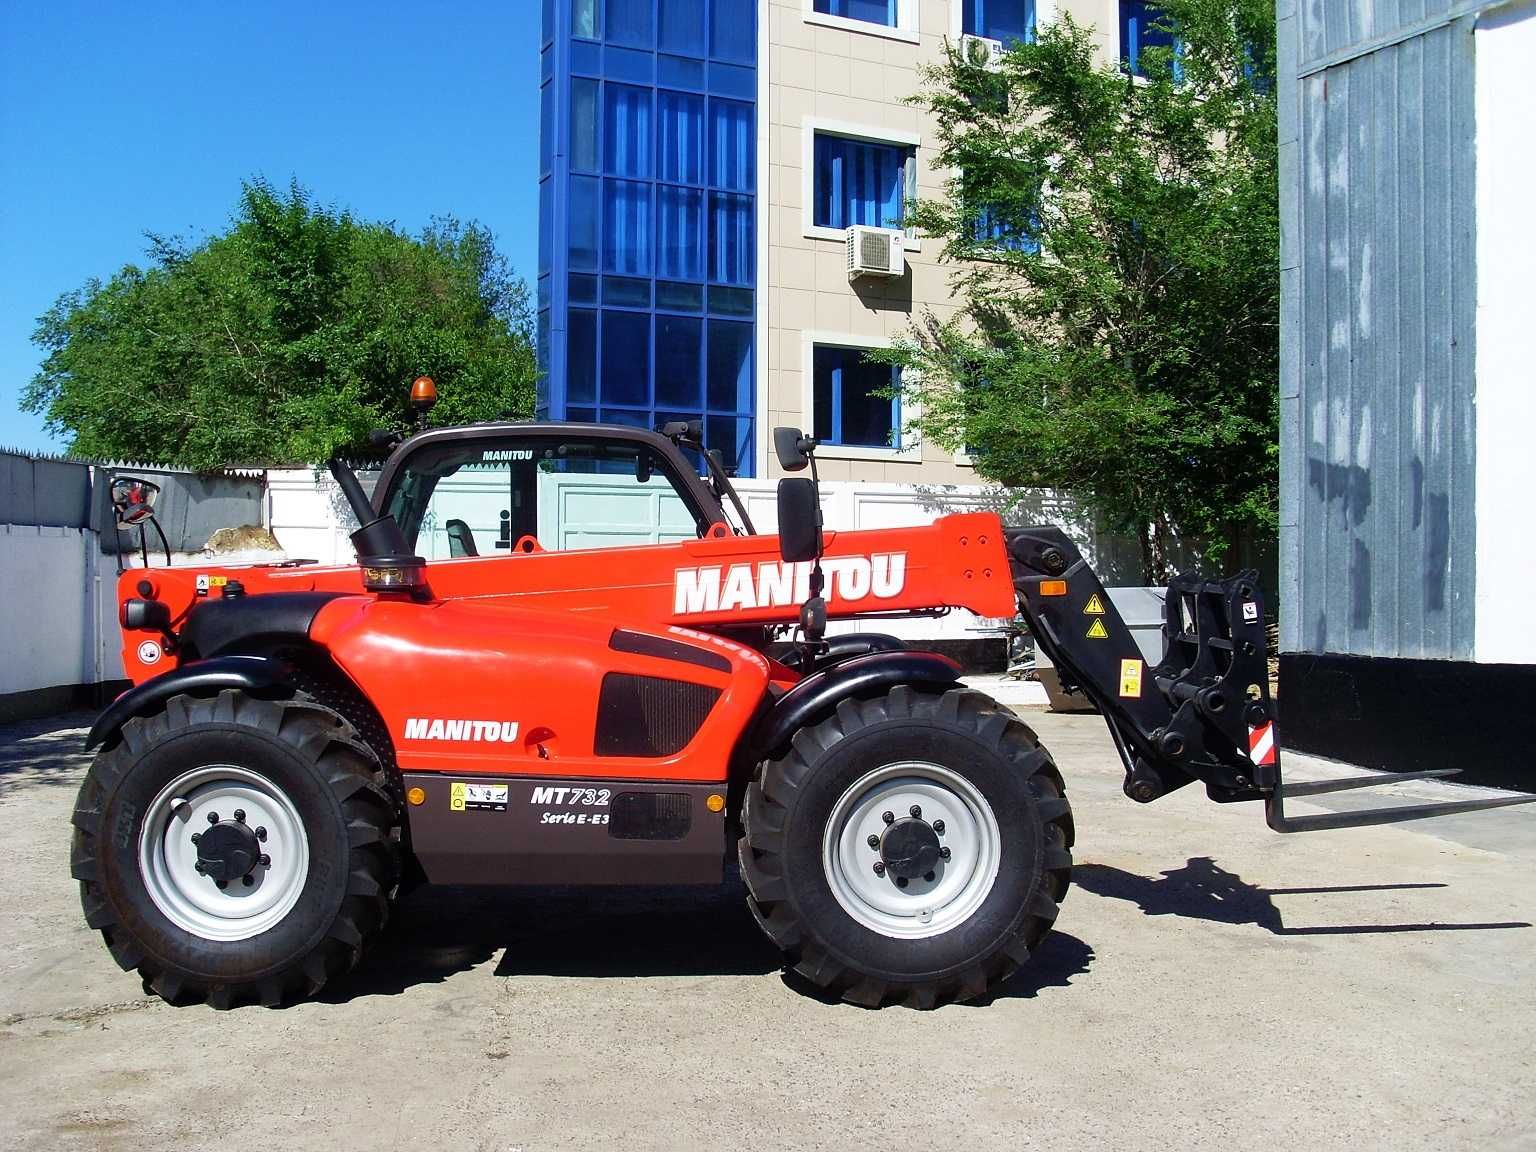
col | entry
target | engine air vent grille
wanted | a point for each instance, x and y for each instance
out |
(648, 715)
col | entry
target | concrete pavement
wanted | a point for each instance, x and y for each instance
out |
(1209, 985)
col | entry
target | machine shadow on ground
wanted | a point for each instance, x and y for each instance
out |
(1203, 890)
(438, 932)
(591, 932)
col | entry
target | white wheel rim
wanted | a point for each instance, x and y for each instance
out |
(922, 907)
(168, 856)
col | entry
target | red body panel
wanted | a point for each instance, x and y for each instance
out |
(524, 638)
(493, 663)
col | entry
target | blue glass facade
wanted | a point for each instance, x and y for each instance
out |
(648, 215)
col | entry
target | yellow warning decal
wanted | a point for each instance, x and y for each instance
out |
(1130, 678)
(1096, 631)
(456, 797)
(1094, 607)
(217, 581)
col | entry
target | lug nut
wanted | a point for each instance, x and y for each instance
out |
(239, 815)
(879, 868)
(247, 879)
(943, 853)
(261, 833)
(888, 817)
(917, 813)
(901, 881)
(223, 884)
(199, 867)
(938, 826)
(873, 841)
(928, 876)
(196, 836)
(213, 817)
(264, 860)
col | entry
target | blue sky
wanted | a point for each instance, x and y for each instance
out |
(122, 118)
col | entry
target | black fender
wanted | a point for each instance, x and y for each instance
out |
(258, 675)
(232, 624)
(861, 676)
(843, 646)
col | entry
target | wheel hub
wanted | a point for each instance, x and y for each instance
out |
(227, 851)
(910, 848)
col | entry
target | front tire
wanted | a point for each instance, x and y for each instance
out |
(233, 849)
(911, 848)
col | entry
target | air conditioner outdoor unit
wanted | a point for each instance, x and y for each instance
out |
(874, 252)
(982, 51)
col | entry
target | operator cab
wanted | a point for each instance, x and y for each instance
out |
(497, 489)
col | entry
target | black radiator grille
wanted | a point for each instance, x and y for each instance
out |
(649, 716)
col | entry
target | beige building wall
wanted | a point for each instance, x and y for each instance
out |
(820, 72)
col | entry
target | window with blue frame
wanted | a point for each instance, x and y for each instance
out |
(999, 19)
(1141, 28)
(860, 182)
(845, 394)
(868, 11)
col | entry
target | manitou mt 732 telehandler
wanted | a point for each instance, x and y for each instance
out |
(581, 686)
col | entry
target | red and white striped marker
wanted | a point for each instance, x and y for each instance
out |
(1261, 743)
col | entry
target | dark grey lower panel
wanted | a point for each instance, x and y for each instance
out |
(548, 830)
(1406, 715)
(38, 702)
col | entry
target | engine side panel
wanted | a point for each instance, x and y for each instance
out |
(488, 688)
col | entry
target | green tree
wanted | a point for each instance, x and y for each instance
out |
(293, 333)
(1118, 249)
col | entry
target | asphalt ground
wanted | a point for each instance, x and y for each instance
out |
(1210, 985)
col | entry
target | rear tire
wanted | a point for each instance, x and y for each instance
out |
(290, 890)
(842, 832)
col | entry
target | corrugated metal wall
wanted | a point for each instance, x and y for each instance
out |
(1378, 297)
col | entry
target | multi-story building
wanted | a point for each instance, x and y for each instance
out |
(701, 164)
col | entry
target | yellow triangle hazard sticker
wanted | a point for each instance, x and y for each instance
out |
(1096, 631)
(1094, 607)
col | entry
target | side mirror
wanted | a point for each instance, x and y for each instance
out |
(133, 500)
(799, 521)
(643, 467)
(793, 448)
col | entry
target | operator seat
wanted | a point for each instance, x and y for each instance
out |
(461, 541)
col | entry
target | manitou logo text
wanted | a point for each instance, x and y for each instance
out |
(776, 584)
(487, 731)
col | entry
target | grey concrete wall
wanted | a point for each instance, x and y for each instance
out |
(190, 508)
(48, 493)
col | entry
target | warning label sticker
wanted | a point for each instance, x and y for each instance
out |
(1094, 607)
(470, 797)
(1130, 678)
(1250, 612)
(1097, 631)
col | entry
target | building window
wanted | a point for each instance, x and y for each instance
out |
(1141, 27)
(845, 394)
(860, 182)
(994, 230)
(884, 12)
(999, 19)
(627, 134)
